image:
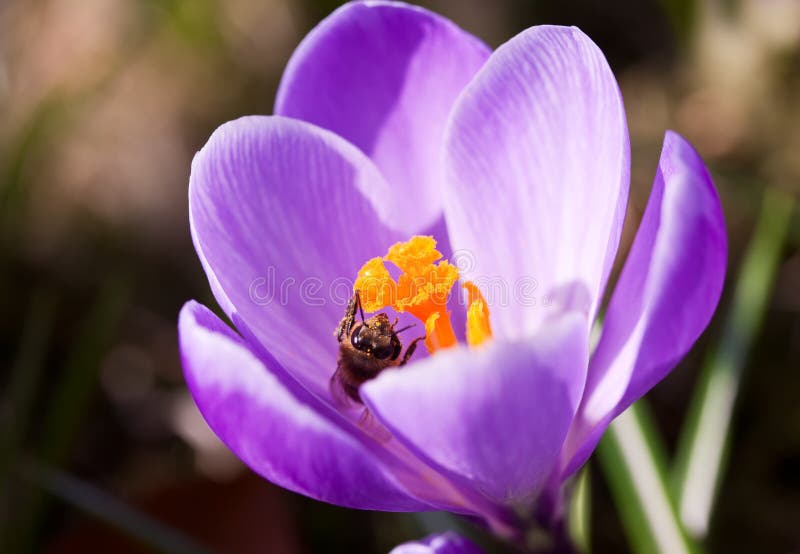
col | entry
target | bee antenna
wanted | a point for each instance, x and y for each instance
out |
(360, 309)
(405, 328)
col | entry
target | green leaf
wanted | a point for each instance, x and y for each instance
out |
(79, 380)
(69, 404)
(19, 399)
(632, 458)
(580, 511)
(703, 446)
(682, 15)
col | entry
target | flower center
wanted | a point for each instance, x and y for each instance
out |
(422, 289)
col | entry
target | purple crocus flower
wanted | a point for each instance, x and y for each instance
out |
(392, 122)
(445, 543)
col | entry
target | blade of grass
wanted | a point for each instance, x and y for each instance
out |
(580, 511)
(682, 15)
(702, 450)
(79, 378)
(69, 404)
(110, 510)
(24, 381)
(633, 461)
(13, 187)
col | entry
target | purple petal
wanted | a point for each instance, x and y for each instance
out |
(281, 438)
(281, 219)
(384, 75)
(537, 156)
(665, 297)
(498, 415)
(445, 543)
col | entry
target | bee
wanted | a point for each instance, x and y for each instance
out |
(366, 348)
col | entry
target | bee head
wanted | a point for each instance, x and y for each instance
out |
(376, 338)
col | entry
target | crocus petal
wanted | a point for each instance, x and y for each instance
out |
(281, 219)
(445, 543)
(665, 297)
(537, 160)
(384, 75)
(281, 438)
(497, 416)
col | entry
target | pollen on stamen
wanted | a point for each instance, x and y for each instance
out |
(422, 289)
(376, 287)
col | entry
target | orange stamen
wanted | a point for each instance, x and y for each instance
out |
(439, 332)
(479, 328)
(422, 289)
(376, 286)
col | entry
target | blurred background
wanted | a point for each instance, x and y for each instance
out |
(102, 105)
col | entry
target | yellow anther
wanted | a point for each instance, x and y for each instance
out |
(479, 328)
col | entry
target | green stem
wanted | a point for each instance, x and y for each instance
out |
(66, 409)
(702, 450)
(632, 460)
(24, 383)
(580, 511)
